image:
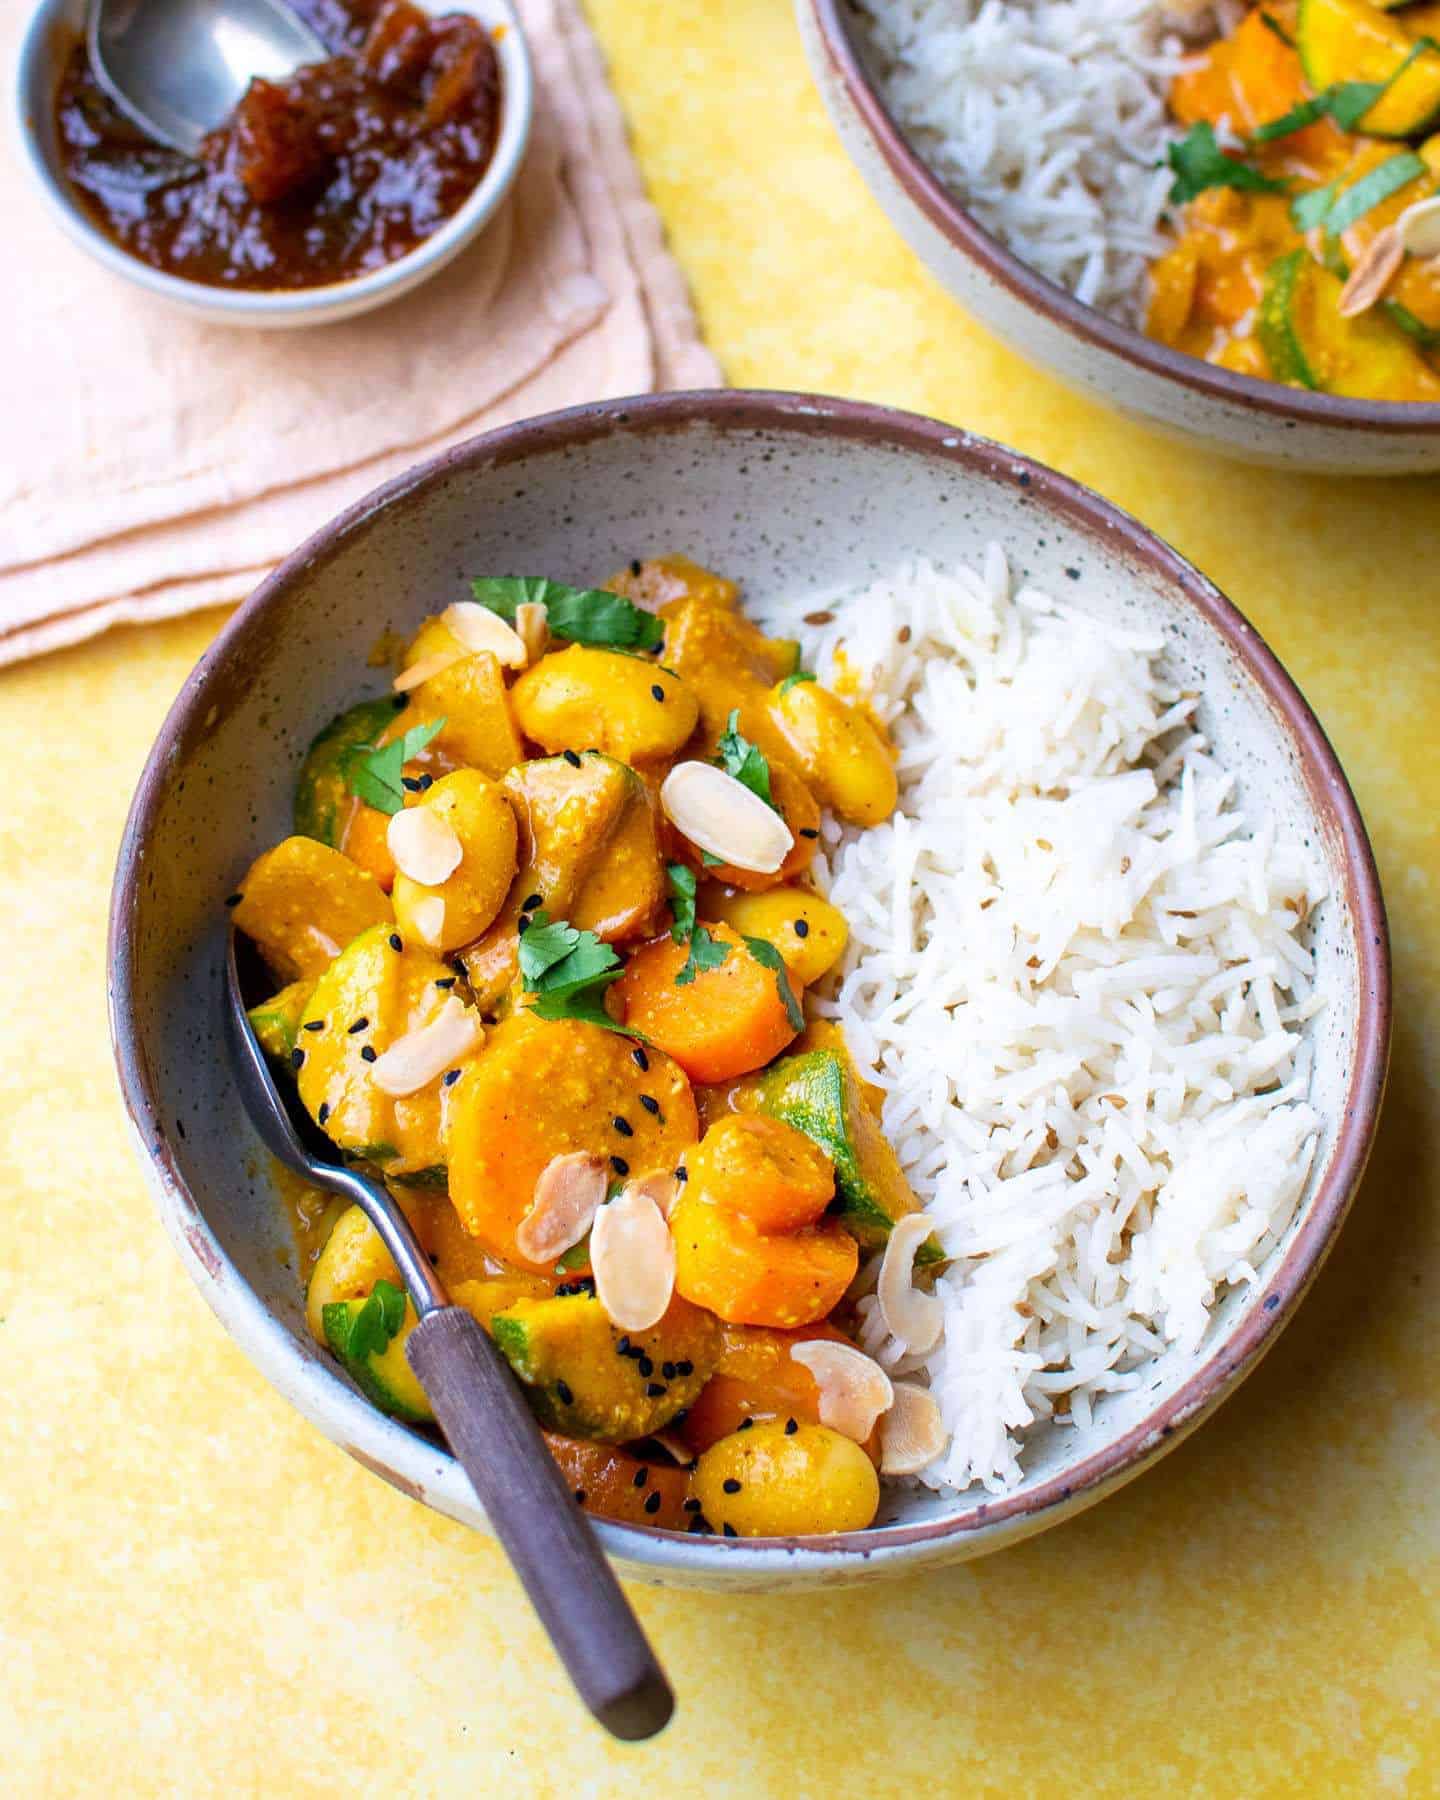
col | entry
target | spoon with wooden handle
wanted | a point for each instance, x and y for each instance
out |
(488, 1424)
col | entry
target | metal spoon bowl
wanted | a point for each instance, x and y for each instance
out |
(178, 68)
(484, 1416)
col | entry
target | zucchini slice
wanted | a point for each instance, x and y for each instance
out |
(1351, 40)
(1309, 345)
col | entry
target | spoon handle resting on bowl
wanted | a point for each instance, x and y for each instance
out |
(534, 1514)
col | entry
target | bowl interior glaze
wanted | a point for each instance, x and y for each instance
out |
(788, 494)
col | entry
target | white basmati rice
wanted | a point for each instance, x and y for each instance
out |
(1076, 968)
(1047, 119)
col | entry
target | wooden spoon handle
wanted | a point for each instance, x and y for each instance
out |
(545, 1534)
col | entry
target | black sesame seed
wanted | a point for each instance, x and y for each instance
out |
(562, 1388)
(682, 1173)
(729, 1529)
(522, 924)
(411, 783)
(1074, 574)
(692, 1505)
(324, 1112)
(802, 928)
(451, 1077)
(367, 1053)
(667, 1369)
(654, 1389)
(730, 1485)
(580, 1495)
(623, 1347)
(619, 1165)
(679, 1418)
(400, 702)
(635, 566)
(572, 759)
(791, 1428)
(359, 1025)
(656, 691)
(652, 1502)
(426, 782)
(647, 1368)
(531, 901)
(685, 1368)
(809, 831)
(313, 1025)
(623, 1126)
(697, 1524)
(446, 981)
(639, 1058)
(634, 1352)
(745, 1425)
(297, 1059)
(395, 943)
(233, 899)
(641, 1476)
(651, 1105)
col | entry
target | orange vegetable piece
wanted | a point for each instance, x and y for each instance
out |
(773, 1174)
(605, 1477)
(750, 1277)
(726, 1021)
(755, 1378)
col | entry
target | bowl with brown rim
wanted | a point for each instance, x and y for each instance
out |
(1237, 415)
(787, 493)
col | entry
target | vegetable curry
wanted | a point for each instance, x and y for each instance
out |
(1308, 240)
(541, 942)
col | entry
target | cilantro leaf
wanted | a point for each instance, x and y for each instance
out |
(1200, 163)
(568, 972)
(791, 680)
(710, 862)
(744, 760)
(377, 1322)
(770, 958)
(374, 775)
(705, 954)
(583, 615)
(682, 884)
(544, 943)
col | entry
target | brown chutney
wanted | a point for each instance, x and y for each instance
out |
(340, 169)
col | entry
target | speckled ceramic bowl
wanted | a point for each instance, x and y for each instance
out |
(785, 493)
(1258, 421)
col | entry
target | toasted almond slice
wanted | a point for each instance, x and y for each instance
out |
(674, 1447)
(1418, 227)
(854, 1389)
(480, 629)
(423, 844)
(913, 1433)
(660, 1185)
(532, 623)
(720, 814)
(1378, 265)
(428, 917)
(424, 669)
(915, 1318)
(632, 1255)
(418, 1058)
(568, 1194)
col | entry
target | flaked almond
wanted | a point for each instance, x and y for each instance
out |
(532, 625)
(427, 916)
(1418, 227)
(720, 814)
(1377, 267)
(674, 1447)
(420, 1057)
(480, 629)
(424, 845)
(912, 1434)
(854, 1389)
(632, 1256)
(661, 1186)
(424, 669)
(910, 1315)
(568, 1194)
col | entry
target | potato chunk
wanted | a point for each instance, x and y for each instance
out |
(303, 902)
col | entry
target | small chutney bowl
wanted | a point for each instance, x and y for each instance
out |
(54, 30)
(791, 495)
(1184, 397)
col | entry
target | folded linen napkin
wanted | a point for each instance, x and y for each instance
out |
(151, 464)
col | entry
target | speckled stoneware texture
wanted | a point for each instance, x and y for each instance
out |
(790, 495)
(1258, 421)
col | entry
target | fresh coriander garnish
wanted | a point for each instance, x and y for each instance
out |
(745, 761)
(1200, 163)
(567, 972)
(799, 676)
(682, 883)
(374, 776)
(582, 615)
(376, 1323)
(705, 954)
(770, 958)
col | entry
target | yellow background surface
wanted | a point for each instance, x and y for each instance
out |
(198, 1595)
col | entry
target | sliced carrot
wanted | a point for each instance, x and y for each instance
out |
(773, 1174)
(724, 1022)
(759, 1278)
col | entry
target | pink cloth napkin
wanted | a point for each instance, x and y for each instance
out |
(151, 464)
